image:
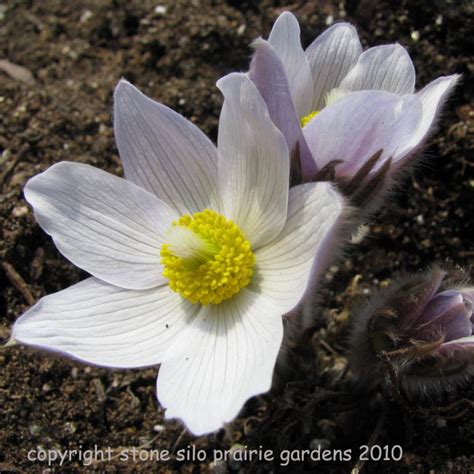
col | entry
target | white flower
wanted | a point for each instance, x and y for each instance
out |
(194, 258)
(337, 102)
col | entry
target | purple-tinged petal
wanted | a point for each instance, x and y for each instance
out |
(439, 305)
(105, 325)
(104, 224)
(358, 125)
(461, 349)
(433, 97)
(423, 293)
(331, 55)
(444, 315)
(285, 39)
(388, 68)
(163, 152)
(268, 74)
(456, 324)
(253, 162)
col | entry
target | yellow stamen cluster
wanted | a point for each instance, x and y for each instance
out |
(209, 277)
(307, 118)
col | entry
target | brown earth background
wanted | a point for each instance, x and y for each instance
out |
(75, 53)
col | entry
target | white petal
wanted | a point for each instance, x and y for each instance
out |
(106, 325)
(433, 97)
(253, 162)
(226, 356)
(285, 39)
(163, 152)
(102, 223)
(331, 55)
(361, 123)
(284, 266)
(387, 67)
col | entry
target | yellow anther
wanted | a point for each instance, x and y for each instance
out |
(208, 260)
(307, 118)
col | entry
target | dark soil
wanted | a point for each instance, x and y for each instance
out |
(76, 52)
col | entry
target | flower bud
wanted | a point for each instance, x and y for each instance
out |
(417, 333)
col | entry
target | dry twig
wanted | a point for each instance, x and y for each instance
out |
(17, 281)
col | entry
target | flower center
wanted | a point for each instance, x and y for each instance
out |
(332, 96)
(206, 258)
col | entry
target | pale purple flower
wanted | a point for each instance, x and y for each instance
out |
(204, 294)
(422, 325)
(338, 106)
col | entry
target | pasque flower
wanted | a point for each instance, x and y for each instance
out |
(341, 108)
(194, 257)
(421, 328)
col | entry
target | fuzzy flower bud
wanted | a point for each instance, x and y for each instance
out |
(417, 333)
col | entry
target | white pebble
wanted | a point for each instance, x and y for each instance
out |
(160, 10)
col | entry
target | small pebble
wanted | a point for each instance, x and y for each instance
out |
(19, 211)
(86, 16)
(35, 430)
(241, 29)
(70, 427)
(160, 10)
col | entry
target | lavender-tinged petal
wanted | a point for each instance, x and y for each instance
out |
(104, 224)
(467, 295)
(440, 304)
(358, 125)
(105, 325)
(285, 39)
(445, 315)
(253, 162)
(331, 55)
(456, 323)
(432, 97)
(426, 289)
(163, 152)
(461, 349)
(268, 74)
(386, 67)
